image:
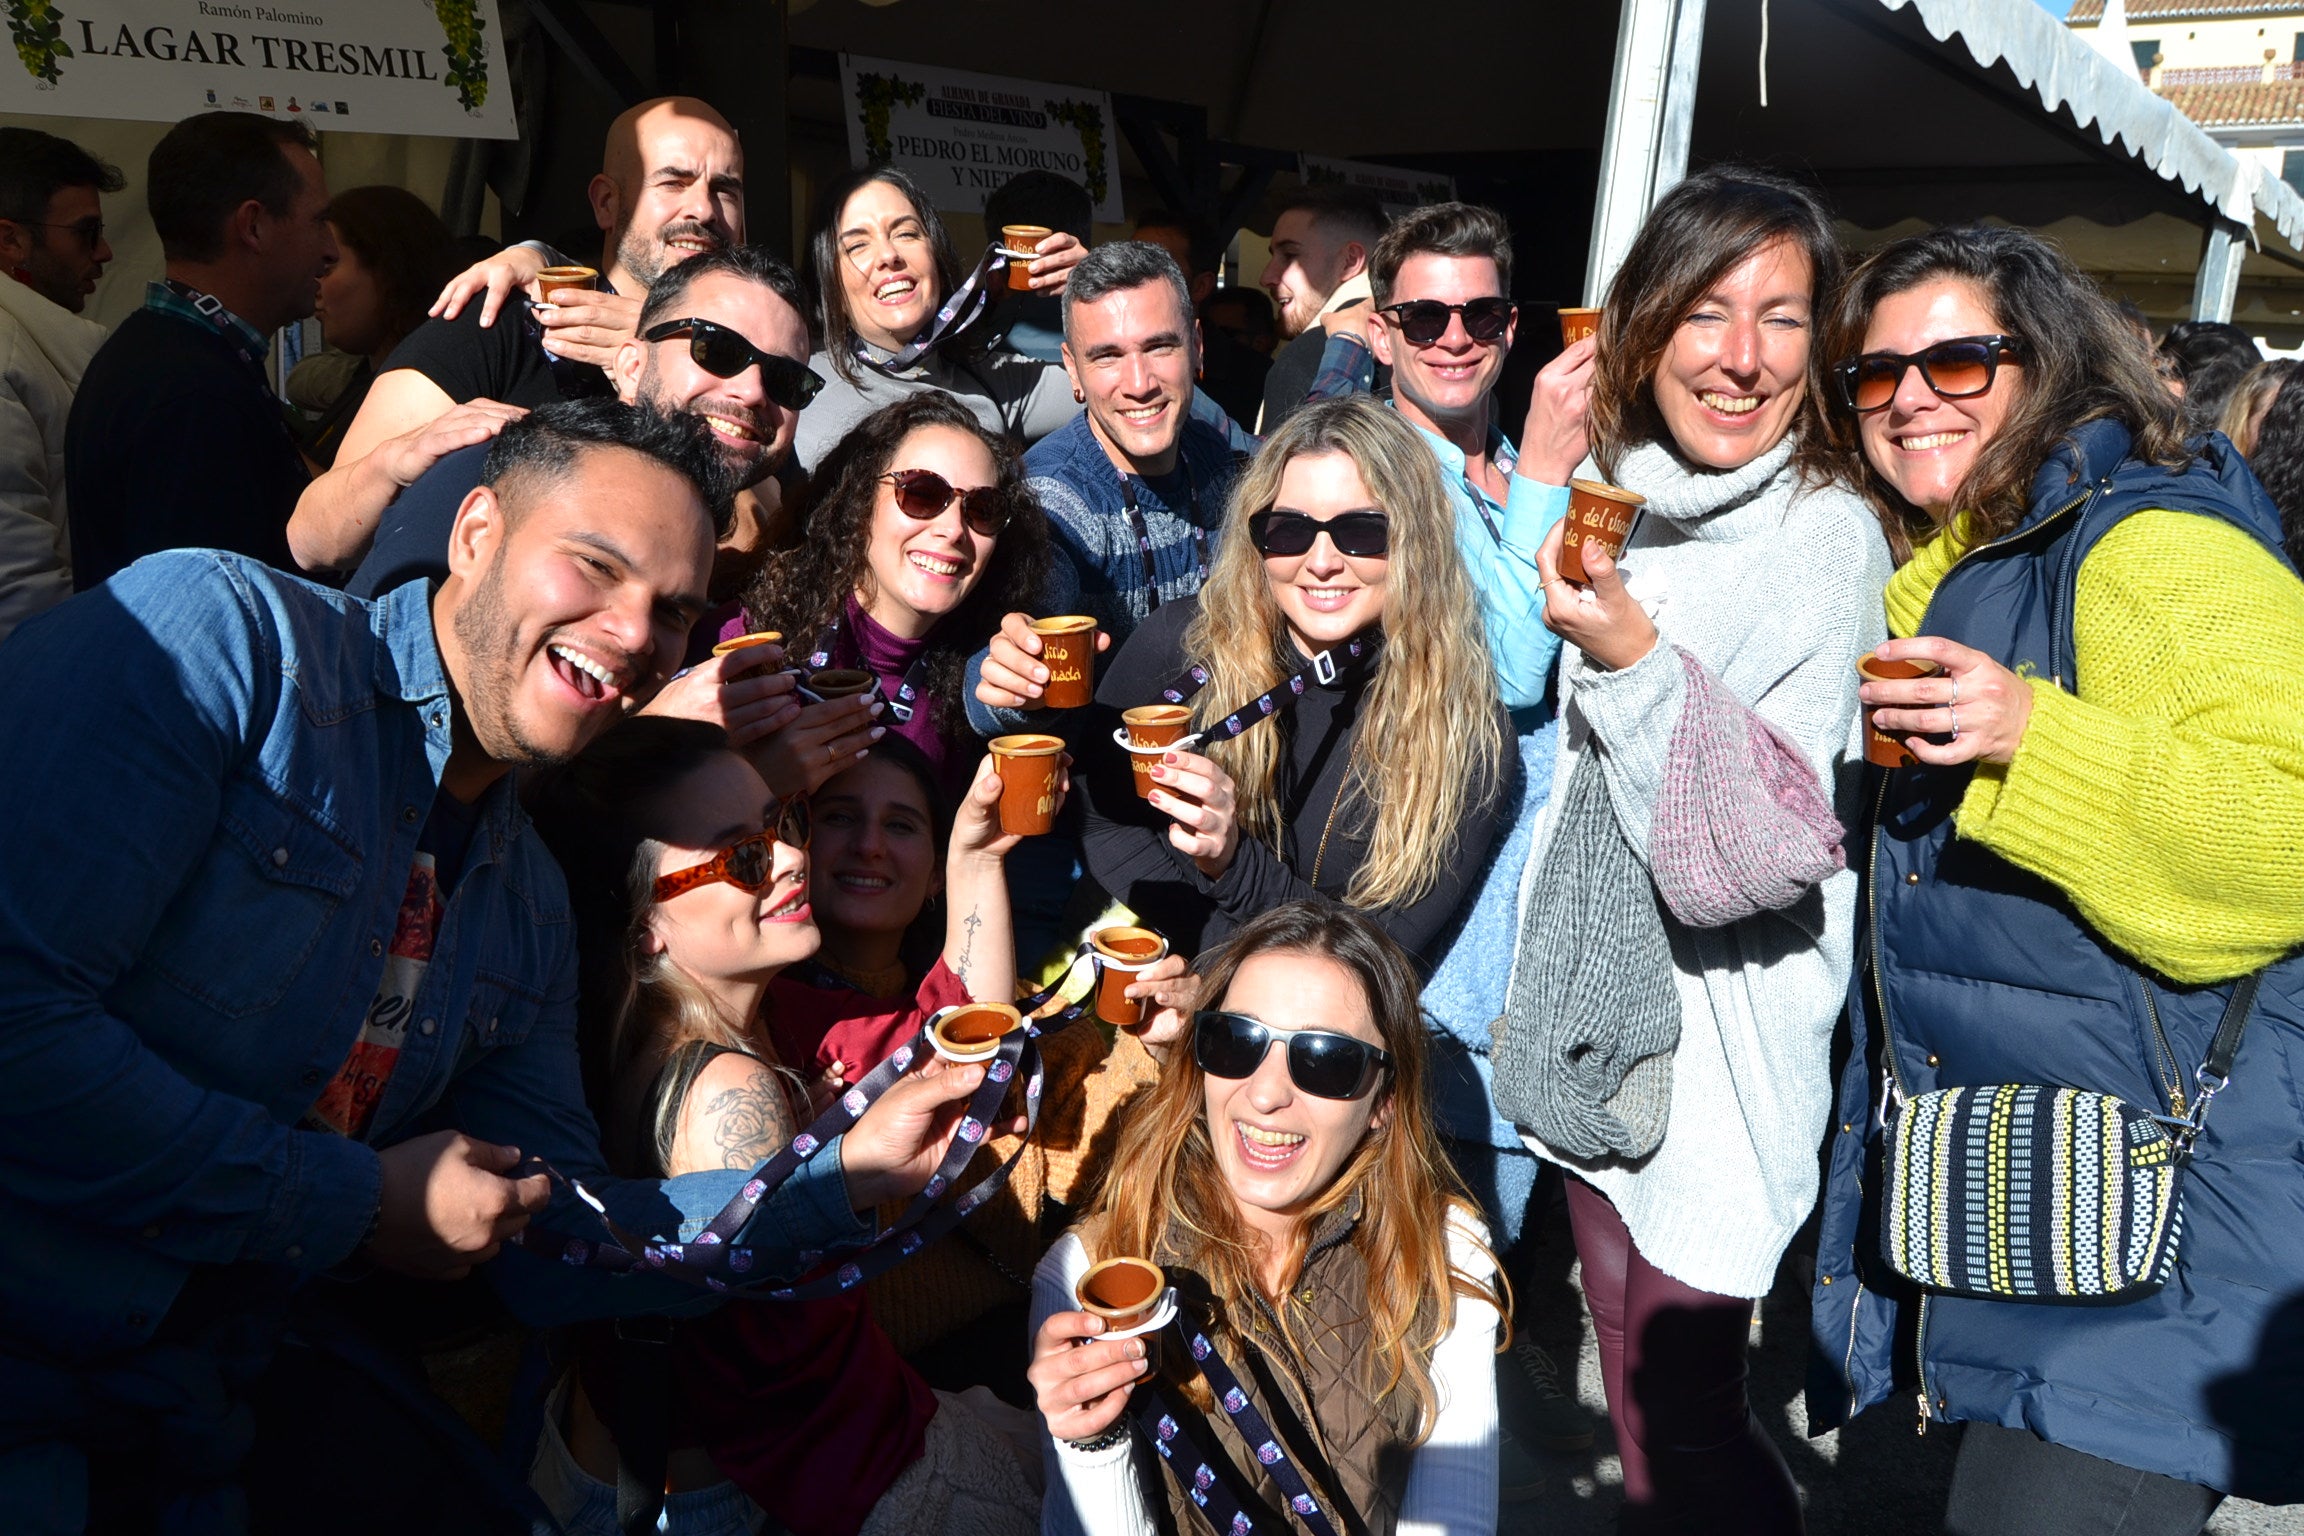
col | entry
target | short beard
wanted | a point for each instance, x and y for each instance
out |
(638, 256)
(488, 634)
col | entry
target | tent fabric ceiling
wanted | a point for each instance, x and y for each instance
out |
(1967, 107)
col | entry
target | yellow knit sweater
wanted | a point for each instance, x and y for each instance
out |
(2166, 800)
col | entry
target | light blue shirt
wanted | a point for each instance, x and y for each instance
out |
(1499, 548)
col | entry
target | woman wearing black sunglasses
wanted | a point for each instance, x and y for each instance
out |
(1349, 739)
(690, 884)
(1286, 1175)
(2098, 840)
(1686, 925)
(917, 534)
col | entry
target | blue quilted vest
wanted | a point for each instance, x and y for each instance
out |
(1978, 973)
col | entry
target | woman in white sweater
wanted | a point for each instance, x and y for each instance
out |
(1335, 1306)
(1687, 916)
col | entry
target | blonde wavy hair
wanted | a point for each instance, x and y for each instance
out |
(1432, 701)
(1162, 1181)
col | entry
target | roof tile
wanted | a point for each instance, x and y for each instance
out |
(2178, 10)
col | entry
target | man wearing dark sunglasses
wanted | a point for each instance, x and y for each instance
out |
(737, 310)
(1441, 277)
(52, 251)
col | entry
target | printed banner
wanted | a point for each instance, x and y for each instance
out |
(377, 66)
(1396, 187)
(961, 135)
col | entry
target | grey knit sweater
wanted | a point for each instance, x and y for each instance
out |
(1774, 591)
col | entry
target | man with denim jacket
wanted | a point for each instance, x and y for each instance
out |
(285, 978)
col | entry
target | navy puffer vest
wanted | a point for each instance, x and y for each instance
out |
(1978, 972)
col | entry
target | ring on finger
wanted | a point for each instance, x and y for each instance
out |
(1955, 690)
(1955, 714)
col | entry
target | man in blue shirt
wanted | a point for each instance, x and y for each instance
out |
(287, 980)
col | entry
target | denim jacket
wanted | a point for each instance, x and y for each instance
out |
(212, 779)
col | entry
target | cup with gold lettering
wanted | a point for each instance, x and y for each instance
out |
(540, 289)
(840, 683)
(1068, 651)
(1880, 747)
(1602, 514)
(968, 1033)
(1147, 731)
(1122, 954)
(1125, 1293)
(1028, 767)
(1576, 324)
(1022, 242)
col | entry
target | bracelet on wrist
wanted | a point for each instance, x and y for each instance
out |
(1113, 1434)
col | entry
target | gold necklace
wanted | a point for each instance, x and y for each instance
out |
(1320, 855)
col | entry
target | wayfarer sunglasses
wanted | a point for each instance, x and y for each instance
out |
(749, 863)
(725, 353)
(1424, 321)
(1364, 535)
(1955, 370)
(923, 494)
(1323, 1063)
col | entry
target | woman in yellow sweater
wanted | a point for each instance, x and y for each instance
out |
(2104, 832)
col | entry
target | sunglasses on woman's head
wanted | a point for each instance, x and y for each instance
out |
(1956, 370)
(725, 353)
(749, 863)
(1424, 321)
(923, 494)
(1323, 1063)
(1364, 535)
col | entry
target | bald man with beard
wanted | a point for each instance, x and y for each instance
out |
(670, 185)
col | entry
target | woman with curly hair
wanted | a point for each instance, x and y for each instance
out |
(1286, 1175)
(2276, 453)
(2244, 412)
(918, 534)
(1337, 594)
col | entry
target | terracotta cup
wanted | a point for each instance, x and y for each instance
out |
(1123, 1292)
(561, 277)
(971, 1032)
(1601, 513)
(1880, 747)
(840, 683)
(757, 637)
(1068, 650)
(1022, 240)
(1121, 954)
(1152, 729)
(1027, 767)
(1576, 324)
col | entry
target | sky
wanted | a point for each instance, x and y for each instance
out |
(2056, 7)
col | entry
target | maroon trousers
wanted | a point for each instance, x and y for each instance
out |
(1672, 1357)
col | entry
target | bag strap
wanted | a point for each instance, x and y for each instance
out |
(2215, 1074)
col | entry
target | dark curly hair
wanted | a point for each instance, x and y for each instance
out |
(800, 591)
(2279, 461)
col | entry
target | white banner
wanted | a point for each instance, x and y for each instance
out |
(1396, 188)
(961, 135)
(376, 66)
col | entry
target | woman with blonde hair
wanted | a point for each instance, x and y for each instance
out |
(1336, 1300)
(2251, 399)
(1351, 742)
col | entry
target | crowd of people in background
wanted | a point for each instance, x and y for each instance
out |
(508, 832)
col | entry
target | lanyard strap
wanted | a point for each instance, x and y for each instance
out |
(962, 310)
(909, 690)
(1143, 531)
(1324, 668)
(1210, 1480)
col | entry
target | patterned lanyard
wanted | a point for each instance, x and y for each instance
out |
(211, 309)
(908, 691)
(710, 1257)
(1323, 668)
(1144, 533)
(1211, 1478)
(962, 310)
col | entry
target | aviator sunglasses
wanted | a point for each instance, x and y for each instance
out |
(749, 863)
(1424, 321)
(1364, 535)
(1955, 370)
(923, 494)
(725, 353)
(1323, 1063)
